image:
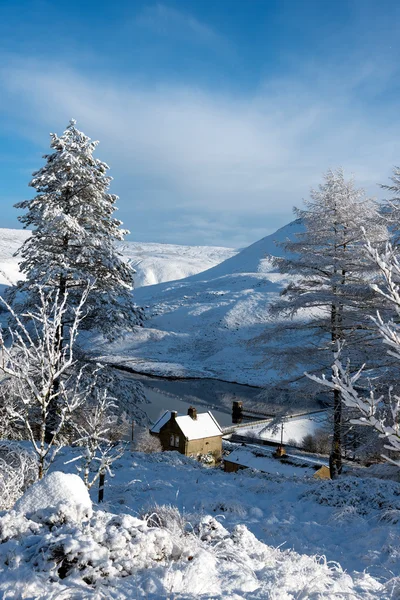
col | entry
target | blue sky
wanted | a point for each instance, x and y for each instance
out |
(215, 116)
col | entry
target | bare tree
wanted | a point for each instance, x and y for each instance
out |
(101, 450)
(41, 367)
(148, 443)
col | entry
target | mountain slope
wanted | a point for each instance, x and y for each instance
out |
(205, 325)
(153, 263)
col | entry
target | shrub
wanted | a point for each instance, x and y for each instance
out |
(18, 470)
(320, 442)
(145, 442)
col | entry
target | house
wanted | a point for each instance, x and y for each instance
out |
(191, 434)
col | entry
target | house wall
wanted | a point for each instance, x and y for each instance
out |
(230, 467)
(171, 428)
(193, 447)
(206, 445)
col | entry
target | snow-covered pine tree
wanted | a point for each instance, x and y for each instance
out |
(379, 413)
(329, 293)
(74, 235)
(391, 206)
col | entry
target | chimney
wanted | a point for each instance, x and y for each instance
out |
(192, 412)
(174, 414)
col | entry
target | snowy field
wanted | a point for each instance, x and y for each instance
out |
(172, 529)
(294, 428)
(153, 263)
(205, 325)
(202, 325)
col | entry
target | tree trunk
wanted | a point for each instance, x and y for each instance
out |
(101, 486)
(335, 458)
(52, 418)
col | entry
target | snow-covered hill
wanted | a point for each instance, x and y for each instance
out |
(170, 528)
(10, 241)
(205, 306)
(204, 325)
(153, 263)
(158, 263)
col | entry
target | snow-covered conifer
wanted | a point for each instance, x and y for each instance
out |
(391, 206)
(329, 292)
(380, 413)
(74, 235)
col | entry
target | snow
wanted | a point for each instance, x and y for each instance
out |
(54, 490)
(10, 241)
(262, 460)
(171, 528)
(157, 263)
(206, 325)
(154, 263)
(294, 428)
(193, 429)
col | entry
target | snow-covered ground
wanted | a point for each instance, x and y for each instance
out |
(202, 325)
(153, 263)
(205, 325)
(10, 241)
(172, 529)
(294, 428)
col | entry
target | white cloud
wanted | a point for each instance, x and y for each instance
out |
(166, 20)
(174, 147)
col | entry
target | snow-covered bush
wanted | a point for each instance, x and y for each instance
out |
(206, 459)
(145, 442)
(61, 494)
(120, 556)
(364, 495)
(18, 470)
(168, 517)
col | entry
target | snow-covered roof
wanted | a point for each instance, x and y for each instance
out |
(193, 429)
(263, 461)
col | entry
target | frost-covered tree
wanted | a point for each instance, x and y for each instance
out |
(391, 206)
(34, 360)
(329, 292)
(379, 413)
(148, 443)
(100, 450)
(74, 235)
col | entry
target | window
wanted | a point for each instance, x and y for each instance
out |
(172, 440)
(177, 441)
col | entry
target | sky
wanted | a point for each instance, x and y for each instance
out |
(215, 116)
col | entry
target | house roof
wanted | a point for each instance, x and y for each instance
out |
(262, 460)
(193, 429)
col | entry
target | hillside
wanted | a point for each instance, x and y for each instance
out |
(205, 305)
(204, 325)
(153, 263)
(170, 528)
